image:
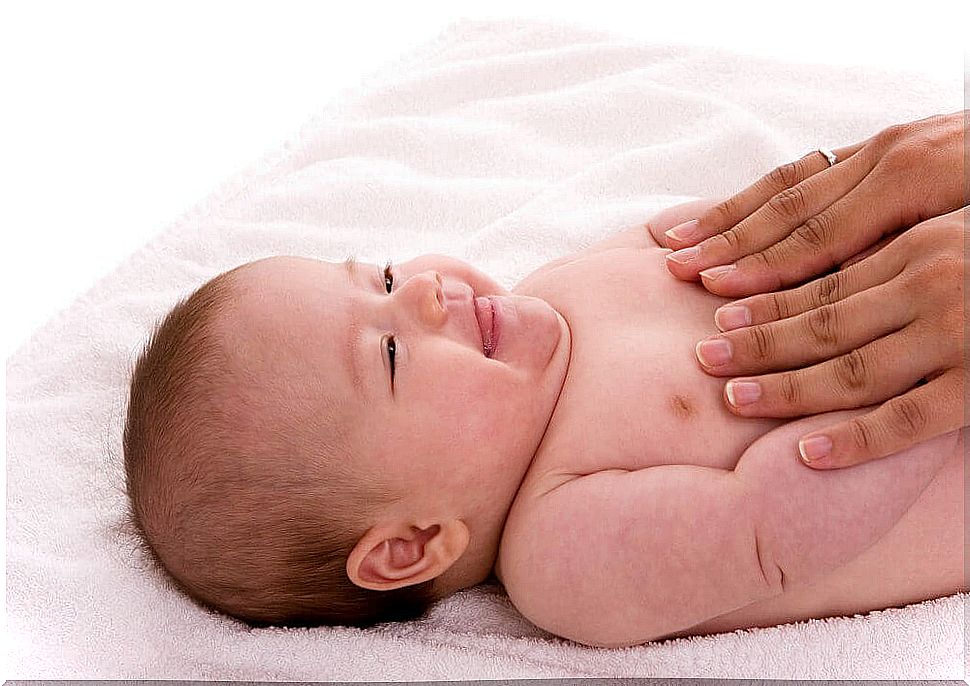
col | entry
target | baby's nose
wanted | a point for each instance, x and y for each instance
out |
(439, 287)
(431, 296)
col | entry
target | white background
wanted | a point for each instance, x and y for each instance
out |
(118, 117)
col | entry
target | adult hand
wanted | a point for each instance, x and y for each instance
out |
(805, 217)
(856, 337)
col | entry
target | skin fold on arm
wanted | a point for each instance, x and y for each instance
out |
(618, 558)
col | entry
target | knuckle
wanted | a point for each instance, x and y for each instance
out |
(814, 232)
(913, 241)
(758, 261)
(909, 419)
(862, 435)
(785, 176)
(777, 306)
(911, 278)
(789, 202)
(770, 263)
(920, 279)
(829, 288)
(731, 239)
(823, 323)
(851, 371)
(891, 134)
(789, 389)
(900, 157)
(928, 144)
(761, 343)
(725, 213)
(938, 283)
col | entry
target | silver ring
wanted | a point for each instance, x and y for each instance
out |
(829, 155)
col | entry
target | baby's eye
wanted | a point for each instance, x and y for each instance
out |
(388, 277)
(391, 345)
(391, 350)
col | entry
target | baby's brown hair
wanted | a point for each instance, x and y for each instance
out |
(245, 518)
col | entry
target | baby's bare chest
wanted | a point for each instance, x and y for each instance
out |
(634, 395)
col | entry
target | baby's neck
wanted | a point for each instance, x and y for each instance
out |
(475, 566)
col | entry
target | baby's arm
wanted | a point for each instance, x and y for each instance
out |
(618, 558)
(814, 521)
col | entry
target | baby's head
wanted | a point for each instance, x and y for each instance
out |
(317, 443)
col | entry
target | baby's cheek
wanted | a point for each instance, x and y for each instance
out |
(469, 416)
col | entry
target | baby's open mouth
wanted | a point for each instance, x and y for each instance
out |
(485, 316)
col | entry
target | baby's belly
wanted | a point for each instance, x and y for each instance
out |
(921, 557)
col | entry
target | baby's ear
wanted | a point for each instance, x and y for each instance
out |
(389, 557)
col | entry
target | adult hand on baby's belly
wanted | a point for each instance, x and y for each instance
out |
(887, 328)
(891, 317)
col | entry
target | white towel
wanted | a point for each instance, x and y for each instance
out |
(503, 143)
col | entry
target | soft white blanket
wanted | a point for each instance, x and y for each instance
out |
(505, 144)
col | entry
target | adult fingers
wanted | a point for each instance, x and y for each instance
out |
(813, 336)
(886, 240)
(926, 411)
(872, 373)
(850, 224)
(676, 214)
(733, 210)
(775, 219)
(770, 307)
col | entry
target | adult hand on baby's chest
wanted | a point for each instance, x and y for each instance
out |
(887, 326)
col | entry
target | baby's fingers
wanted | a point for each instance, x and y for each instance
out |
(924, 412)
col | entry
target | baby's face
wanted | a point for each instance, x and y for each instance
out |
(401, 353)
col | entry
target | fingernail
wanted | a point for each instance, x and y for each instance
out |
(814, 448)
(685, 255)
(683, 232)
(717, 272)
(713, 351)
(732, 317)
(743, 392)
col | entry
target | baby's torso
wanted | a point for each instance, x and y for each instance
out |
(635, 397)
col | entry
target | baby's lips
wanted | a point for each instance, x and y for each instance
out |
(484, 314)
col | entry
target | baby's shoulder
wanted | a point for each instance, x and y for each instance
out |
(637, 237)
(641, 236)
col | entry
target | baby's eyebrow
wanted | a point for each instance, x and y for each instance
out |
(351, 350)
(351, 265)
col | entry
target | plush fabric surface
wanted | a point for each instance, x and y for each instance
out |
(503, 143)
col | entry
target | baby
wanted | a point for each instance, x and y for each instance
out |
(315, 443)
